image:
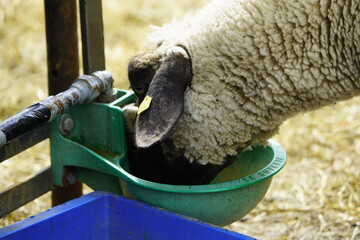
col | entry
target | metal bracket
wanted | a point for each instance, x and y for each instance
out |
(94, 145)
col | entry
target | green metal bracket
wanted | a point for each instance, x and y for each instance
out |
(95, 144)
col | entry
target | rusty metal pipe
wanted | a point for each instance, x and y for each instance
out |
(84, 89)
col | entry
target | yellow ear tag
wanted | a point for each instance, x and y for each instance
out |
(145, 104)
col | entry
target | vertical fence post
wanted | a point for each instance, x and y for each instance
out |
(92, 35)
(63, 66)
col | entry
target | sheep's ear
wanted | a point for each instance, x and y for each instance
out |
(166, 92)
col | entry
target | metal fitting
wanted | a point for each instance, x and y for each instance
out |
(71, 179)
(68, 178)
(66, 124)
(107, 97)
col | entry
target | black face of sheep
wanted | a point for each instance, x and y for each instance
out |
(140, 76)
(165, 83)
(156, 159)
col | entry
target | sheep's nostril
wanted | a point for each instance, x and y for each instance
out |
(139, 90)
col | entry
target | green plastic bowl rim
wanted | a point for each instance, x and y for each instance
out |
(276, 164)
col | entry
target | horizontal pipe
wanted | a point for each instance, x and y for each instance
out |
(84, 89)
(24, 142)
(23, 121)
(25, 192)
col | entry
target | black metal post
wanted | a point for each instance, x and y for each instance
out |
(92, 35)
(63, 66)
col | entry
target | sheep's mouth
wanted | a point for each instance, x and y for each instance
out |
(163, 163)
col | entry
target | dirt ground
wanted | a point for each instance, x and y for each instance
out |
(316, 195)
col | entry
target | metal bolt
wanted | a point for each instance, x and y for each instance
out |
(66, 124)
(71, 179)
(68, 177)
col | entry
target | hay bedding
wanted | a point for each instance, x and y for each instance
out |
(316, 196)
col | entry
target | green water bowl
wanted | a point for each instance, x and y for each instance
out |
(95, 151)
(236, 191)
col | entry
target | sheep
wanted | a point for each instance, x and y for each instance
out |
(227, 77)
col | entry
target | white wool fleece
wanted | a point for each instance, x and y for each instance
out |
(256, 63)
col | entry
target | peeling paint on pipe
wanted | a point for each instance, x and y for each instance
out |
(84, 89)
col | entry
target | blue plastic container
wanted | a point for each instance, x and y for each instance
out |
(101, 215)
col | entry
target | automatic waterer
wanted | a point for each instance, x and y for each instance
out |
(88, 142)
(95, 151)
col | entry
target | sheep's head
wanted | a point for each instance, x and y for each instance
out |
(163, 78)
